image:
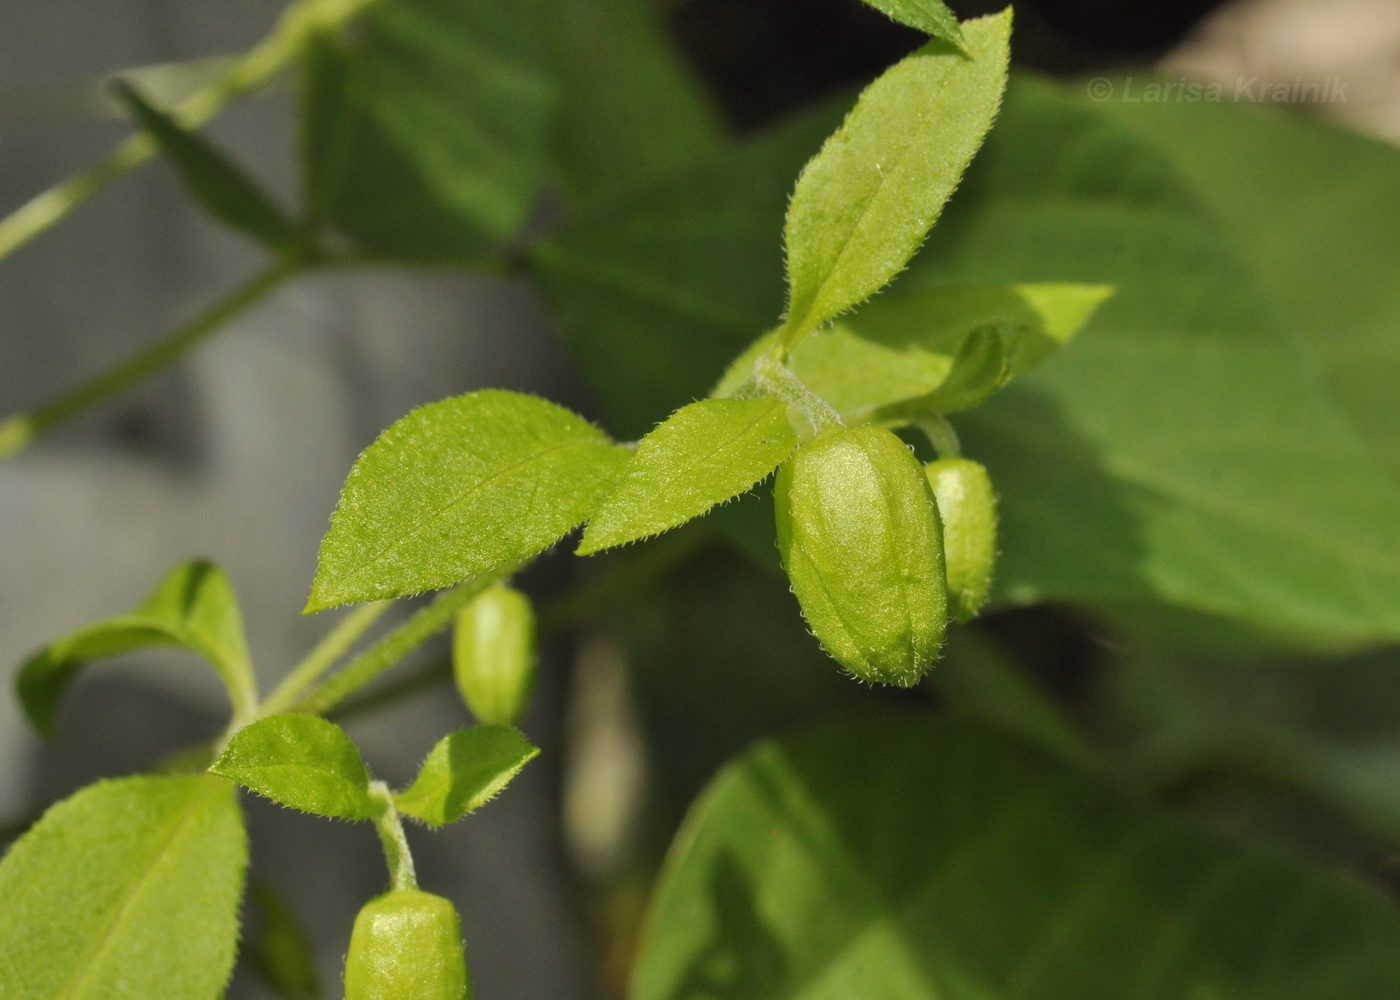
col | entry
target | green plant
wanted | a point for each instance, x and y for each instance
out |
(989, 850)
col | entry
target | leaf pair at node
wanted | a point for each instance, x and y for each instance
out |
(308, 763)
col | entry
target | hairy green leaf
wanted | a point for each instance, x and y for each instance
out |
(464, 771)
(903, 345)
(865, 203)
(280, 952)
(923, 858)
(706, 453)
(630, 109)
(194, 606)
(128, 888)
(930, 16)
(301, 761)
(221, 187)
(460, 487)
(426, 127)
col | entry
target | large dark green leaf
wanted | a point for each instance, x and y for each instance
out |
(129, 888)
(917, 858)
(659, 290)
(629, 109)
(1184, 449)
(426, 127)
(1188, 699)
(1311, 210)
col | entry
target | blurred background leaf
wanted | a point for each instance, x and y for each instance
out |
(925, 857)
(426, 128)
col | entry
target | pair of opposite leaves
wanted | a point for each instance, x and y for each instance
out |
(468, 485)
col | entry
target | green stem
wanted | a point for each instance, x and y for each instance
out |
(391, 836)
(401, 688)
(258, 66)
(777, 378)
(19, 430)
(613, 585)
(940, 434)
(397, 644)
(323, 656)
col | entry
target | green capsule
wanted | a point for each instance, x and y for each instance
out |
(968, 506)
(493, 654)
(406, 945)
(861, 542)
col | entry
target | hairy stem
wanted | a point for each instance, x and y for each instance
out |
(775, 377)
(611, 586)
(255, 68)
(397, 644)
(19, 430)
(390, 830)
(323, 656)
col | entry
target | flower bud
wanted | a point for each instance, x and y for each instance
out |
(968, 507)
(406, 945)
(493, 654)
(861, 542)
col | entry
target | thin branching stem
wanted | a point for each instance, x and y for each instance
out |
(19, 430)
(323, 656)
(251, 71)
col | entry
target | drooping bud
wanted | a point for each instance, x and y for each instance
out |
(968, 506)
(493, 654)
(861, 542)
(406, 945)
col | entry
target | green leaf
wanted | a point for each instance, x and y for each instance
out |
(706, 453)
(1186, 450)
(426, 127)
(220, 186)
(929, 16)
(922, 858)
(865, 203)
(1192, 697)
(464, 771)
(460, 487)
(194, 606)
(657, 291)
(1285, 185)
(630, 110)
(280, 951)
(301, 761)
(903, 345)
(981, 367)
(128, 888)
